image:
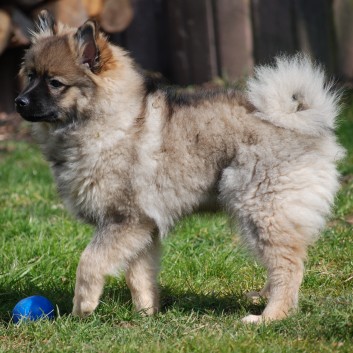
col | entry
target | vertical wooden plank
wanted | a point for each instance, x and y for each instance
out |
(343, 15)
(145, 37)
(10, 62)
(117, 38)
(180, 69)
(315, 31)
(274, 29)
(234, 38)
(192, 41)
(201, 40)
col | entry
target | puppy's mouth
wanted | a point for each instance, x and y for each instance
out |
(48, 117)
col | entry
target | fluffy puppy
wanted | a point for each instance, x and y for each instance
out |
(131, 158)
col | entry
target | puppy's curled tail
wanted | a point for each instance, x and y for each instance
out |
(294, 94)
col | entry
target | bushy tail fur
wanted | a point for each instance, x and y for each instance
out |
(294, 94)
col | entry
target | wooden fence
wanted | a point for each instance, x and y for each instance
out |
(195, 41)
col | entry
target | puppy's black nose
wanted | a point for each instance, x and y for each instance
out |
(22, 101)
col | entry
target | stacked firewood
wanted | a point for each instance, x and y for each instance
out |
(17, 16)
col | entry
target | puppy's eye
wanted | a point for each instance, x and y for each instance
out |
(55, 83)
(30, 76)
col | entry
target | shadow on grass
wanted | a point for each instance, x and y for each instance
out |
(205, 303)
(186, 301)
(328, 319)
(213, 303)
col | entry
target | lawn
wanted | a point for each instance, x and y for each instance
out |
(205, 272)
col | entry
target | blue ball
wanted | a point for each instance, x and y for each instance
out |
(33, 308)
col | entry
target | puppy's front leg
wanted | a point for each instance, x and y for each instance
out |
(111, 249)
(141, 278)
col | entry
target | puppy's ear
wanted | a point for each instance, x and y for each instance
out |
(45, 24)
(86, 37)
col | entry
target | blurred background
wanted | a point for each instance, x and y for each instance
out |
(189, 41)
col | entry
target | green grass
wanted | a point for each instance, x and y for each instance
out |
(204, 274)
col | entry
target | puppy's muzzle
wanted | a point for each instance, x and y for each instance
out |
(32, 111)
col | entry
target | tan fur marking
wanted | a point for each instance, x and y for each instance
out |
(108, 62)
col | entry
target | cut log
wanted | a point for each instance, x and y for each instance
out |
(115, 15)
(93, 7)
(5, 29)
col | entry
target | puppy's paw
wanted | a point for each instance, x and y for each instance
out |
(83, 308)
(253, 319)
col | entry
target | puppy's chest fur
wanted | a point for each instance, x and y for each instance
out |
(88, 184)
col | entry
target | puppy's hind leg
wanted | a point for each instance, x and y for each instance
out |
(282, 253)
(141, 278)
(285, 276)
(110, 251)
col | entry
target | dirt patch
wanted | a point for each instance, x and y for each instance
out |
(349, 219)
(12, 127)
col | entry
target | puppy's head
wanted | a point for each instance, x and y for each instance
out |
(60, 69)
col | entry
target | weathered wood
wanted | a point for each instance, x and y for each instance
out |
(234, 38)
(201, 40)
(180, 67)
(274, 29)
(144, 37)
(343, 15)
(10, 62)
(22, 26)
(26, 3)
(315, 31)
(118, 39)
(193, 49)
(193, 41)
